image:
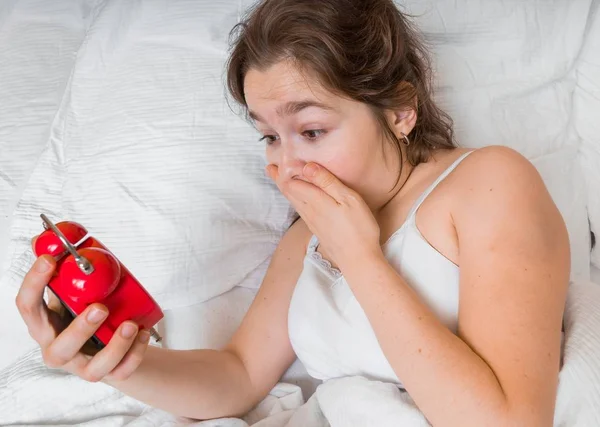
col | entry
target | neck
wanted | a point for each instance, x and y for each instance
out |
(381, 201)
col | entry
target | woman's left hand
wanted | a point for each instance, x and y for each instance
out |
(336, 214)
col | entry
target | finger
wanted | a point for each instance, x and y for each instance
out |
(33, 240)
(54, 303)
(58, 315)
(286, 186)
(298, 199)
(68, 343)
(272, 172)
(107, 359)
(133, 358)
(325, 180)
(308, 197)
(77, 364)
(305, 197)
(30, 297)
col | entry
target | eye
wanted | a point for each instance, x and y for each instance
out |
(269, 139)
(313, 134)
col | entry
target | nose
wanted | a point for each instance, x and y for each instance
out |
(290, 163)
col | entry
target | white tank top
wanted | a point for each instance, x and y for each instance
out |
(328, 329)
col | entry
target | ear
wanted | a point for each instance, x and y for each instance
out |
(402, 121)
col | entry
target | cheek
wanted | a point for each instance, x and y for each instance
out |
(357, 154)
(351, 153)
(349, 166)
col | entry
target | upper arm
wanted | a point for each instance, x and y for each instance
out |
(514, 273)
(262, 341)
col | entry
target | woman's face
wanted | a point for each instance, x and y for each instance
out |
(301, 122)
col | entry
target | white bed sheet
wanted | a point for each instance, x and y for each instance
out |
(595, 274)
(345, 402)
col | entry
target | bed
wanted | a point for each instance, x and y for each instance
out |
(114, 115)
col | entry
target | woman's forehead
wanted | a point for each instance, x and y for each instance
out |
(286, 83)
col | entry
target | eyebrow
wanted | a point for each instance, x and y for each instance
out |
(293, 107)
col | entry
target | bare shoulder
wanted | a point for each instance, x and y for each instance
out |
(499, 177)
(500, 165)
(514, 273)
(502, 198)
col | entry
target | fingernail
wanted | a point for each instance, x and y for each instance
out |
(96, 315)
(128, 330)
(310, 170)
(41, 265)
(144, 337)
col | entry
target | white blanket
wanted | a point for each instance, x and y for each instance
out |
(32, 395)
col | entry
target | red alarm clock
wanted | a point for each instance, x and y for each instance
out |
(87, 272)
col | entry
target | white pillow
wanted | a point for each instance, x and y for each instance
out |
(565, 182)
(595, 274)
(38, 41)
(33, 76)
(146, 153)
(586, 120)
(505, 74)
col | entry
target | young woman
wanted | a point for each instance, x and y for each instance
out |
(439, 269)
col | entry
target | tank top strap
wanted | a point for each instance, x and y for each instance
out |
(312, 244)
(435, 183)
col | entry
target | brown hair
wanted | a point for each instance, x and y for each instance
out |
(365, 50)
